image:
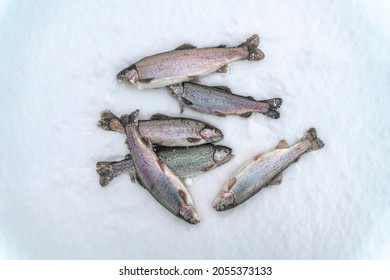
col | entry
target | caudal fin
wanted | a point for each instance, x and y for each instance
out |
(311, 135)
(251, 44)
(132, 118)
(274, 104)
(108, 121)
(104, 169)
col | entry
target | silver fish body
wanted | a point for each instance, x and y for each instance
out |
(167, 131)
(220, 101)
(184, 162)
(155, 176)
(187, 63)
(263, 170)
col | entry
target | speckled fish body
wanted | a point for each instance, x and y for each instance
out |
(154, 175)
(187, 63)
(167, 131)
(220, 101)
(263, 170)
(184, 162)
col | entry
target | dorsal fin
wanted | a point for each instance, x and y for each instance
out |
(159, 116)
(251, 98)
(282, 145)
(185, 47)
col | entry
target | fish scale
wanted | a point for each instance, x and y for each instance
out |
(219, 100)
(264, 170)
(184, 161)
(167, 131)
(187, 63)
(155, 176)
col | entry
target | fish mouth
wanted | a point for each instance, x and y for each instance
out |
(224, 201)
(128, 75)
(189, 214)
(222, 154)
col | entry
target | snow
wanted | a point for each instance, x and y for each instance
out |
(328, 60)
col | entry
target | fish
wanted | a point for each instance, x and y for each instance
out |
(265, 169)
(186, 63)
(167, 131)
(185, 162)
(152, 173)
(221, 101)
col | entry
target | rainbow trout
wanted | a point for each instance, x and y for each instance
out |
(187, 63)
(220, 101)
(167, 131)
(184, 162)
(264, 170)
(154, 175)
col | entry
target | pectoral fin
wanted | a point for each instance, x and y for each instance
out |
(133, 176)
(223, 69)
(146, 81)
(231, 183)
(128, 156)
(186, 101)
(207, 168)
(161, 164)
(147, 142)
(193, 140)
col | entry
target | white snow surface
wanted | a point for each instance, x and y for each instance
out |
(328, 60)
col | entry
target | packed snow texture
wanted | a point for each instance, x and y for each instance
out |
(328, 60)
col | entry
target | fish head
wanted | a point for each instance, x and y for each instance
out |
(189, 214)
(176, 90)
(211, 134)
(224, 201)
(129, 74)
(222, 154)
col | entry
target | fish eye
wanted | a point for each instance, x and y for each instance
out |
(122, 72)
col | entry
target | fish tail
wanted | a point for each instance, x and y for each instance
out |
(274, 104)
(251, 45)
(130, 119)
(311, 135)
(105, 171)
(108, 121)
